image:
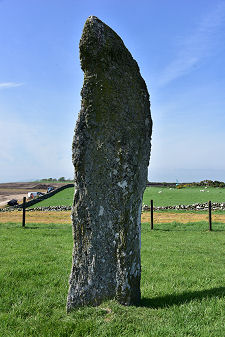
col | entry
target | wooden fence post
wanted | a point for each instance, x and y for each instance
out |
(24, 211)
(210, 215)
(151, 214)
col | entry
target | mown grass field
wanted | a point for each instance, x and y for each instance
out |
(162, 196)
(185, 196)
(183, 288)
(62, 198)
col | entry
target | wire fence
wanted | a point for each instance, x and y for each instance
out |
(151, 219)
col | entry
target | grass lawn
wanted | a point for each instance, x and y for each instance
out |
(165, 196)
(62, 198)
(183, 288)
(162, 196)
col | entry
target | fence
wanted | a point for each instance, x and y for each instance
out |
(207, 206)
(152, 216)
(24, 205)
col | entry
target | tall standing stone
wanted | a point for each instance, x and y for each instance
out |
(111, 150)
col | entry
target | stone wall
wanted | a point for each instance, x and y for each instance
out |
(193, 207)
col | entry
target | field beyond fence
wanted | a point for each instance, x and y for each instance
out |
(163, 196)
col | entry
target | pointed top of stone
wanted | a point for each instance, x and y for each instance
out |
(101, 46)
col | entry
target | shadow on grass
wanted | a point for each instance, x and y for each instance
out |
(178, 299)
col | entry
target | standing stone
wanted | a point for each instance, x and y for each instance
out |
(111, 150)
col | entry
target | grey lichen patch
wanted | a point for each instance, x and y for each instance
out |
(111, 150)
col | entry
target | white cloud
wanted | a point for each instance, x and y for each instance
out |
(195, 47)
(7, 85)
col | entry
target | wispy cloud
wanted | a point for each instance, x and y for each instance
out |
(195, 47)
(7, 85)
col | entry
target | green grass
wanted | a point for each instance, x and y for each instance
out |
(183, 289)
(167, 197)
(62, 198)
(184, 196)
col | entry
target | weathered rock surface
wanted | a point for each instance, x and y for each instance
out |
(111, 150)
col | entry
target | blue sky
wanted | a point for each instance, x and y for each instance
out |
(179, 46)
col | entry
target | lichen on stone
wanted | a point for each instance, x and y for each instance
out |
(111, 150)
